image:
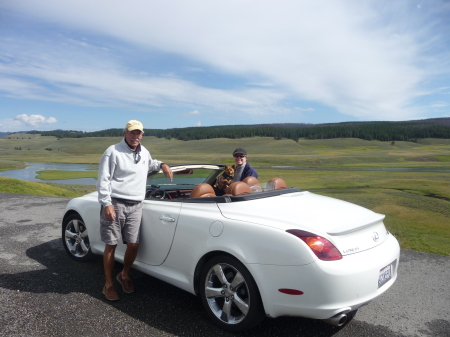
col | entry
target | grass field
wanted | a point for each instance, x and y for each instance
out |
(416, 204)
(63, 175)
(327, 153)
(9, 185)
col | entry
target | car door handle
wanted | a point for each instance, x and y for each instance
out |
(166, 218)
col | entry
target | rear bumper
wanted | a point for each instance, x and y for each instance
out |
(329, 287)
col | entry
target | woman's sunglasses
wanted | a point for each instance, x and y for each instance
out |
(239, 156)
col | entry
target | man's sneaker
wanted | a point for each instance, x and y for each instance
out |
(127, 285)
(110, 293)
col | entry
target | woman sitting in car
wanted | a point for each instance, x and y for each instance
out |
(242, 170)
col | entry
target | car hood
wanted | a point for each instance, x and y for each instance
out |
(342, 222)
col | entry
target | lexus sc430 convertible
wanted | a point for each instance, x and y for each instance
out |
(261, 250)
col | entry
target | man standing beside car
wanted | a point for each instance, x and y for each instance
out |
(121, 185)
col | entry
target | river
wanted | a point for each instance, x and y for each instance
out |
(29, 173)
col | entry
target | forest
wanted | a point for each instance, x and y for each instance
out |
(381, 131)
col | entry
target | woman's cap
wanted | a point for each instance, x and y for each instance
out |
(240, 150)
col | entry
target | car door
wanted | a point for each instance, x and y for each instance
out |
(159, 222)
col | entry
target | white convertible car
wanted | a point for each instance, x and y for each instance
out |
(262, 249)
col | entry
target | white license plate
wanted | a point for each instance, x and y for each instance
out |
(385, 275)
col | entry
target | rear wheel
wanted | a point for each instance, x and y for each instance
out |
(230, 295)
(75, 238)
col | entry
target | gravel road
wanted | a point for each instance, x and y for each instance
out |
(45, 293)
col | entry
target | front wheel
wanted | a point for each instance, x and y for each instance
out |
(230, 295)
(75, 238)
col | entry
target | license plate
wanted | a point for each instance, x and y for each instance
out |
(385, 275)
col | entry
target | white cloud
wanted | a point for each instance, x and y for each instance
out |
(194, 69)
(34, 120)
(192, 113)
(198, 123)
(368, 59)
(439, 105)
(261, 84)
(94, 85)
(303, 109)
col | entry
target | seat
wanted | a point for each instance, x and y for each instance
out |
(203, 190)
(238, 188)
(253, 183)
(276, 184)
(228, 189)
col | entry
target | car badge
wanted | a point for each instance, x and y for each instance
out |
(375, 236)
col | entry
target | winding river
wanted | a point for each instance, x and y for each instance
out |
(29, 173)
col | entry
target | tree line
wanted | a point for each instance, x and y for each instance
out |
(381, 131)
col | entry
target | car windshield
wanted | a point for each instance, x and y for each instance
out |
(185, 179)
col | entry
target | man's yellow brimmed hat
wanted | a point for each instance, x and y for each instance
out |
(134, 125)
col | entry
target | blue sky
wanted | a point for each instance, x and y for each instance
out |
(92, 65)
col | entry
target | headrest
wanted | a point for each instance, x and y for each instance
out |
(253, 183)
(277, 183)
(238, 188)
(228, 189)
(203, 190)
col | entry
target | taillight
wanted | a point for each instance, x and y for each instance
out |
(320, 246)
(290, 291)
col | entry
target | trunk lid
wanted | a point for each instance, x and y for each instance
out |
(351, 228)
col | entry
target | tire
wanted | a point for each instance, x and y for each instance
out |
(230, 294)
(75, 238)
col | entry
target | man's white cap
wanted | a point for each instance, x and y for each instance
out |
(134, 125)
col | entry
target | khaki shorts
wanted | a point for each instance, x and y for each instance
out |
(126, 225)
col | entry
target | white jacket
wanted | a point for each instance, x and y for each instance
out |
(119, 176)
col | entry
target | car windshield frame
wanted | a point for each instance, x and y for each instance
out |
(184, 176)
(188, 176)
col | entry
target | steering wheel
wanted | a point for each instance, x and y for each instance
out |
(157, 194)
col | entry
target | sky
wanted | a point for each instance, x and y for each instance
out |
(91, 65)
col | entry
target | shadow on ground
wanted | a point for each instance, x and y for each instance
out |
(155, 303)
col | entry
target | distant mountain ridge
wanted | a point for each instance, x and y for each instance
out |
(382, 131)
(441, 120)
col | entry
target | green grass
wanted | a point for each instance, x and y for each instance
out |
(6, 165)
(332, 153)
(77, 189)
(445, 159)
(416, 204)
(418, 222)
(10, 185)
(64, 175)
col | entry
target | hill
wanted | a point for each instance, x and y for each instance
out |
(382, 131)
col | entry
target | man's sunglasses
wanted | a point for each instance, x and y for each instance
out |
(239, 156)
(137, 157)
